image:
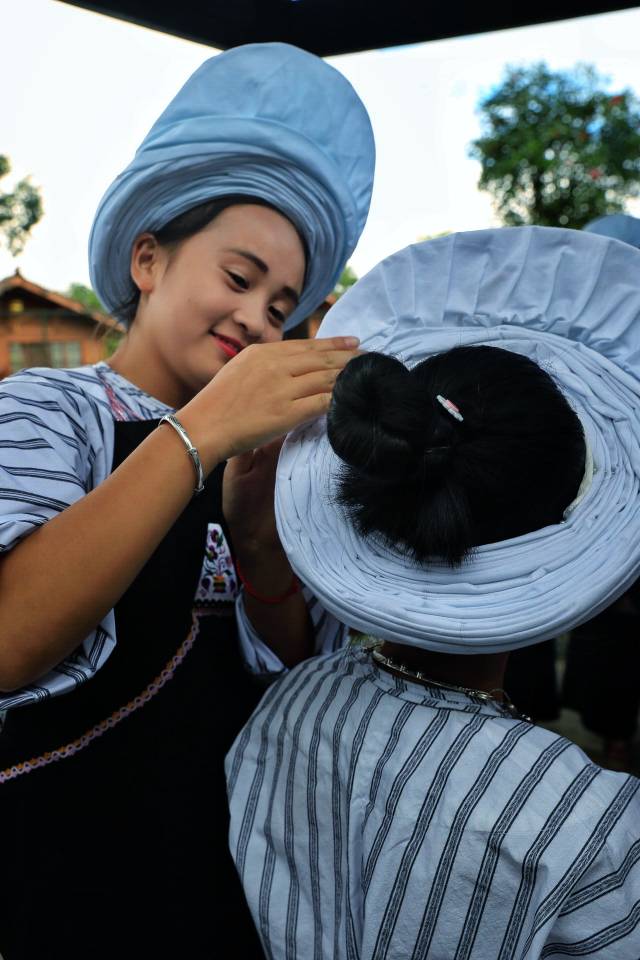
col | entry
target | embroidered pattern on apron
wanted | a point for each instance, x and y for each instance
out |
(218, 586)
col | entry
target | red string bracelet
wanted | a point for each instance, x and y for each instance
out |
(294, 587)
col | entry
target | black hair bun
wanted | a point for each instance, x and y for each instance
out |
(397, 445)
(436, 486)
(367, 420)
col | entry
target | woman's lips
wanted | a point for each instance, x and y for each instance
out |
(228, 345)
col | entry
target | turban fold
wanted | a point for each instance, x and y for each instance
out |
(262, 120)
(619, 226)
(571, 302)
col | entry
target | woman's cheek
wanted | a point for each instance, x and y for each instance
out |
(275, 334)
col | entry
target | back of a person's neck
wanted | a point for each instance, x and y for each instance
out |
(484, 671)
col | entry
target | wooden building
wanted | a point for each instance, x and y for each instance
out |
(40, 328)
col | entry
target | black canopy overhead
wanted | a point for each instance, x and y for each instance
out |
(329, 27)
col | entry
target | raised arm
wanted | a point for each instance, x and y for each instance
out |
(61, 580)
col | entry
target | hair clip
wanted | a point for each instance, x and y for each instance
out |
(450, 407)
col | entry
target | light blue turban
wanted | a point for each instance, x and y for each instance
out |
(263, 120)
(571, 302)
(619, 226)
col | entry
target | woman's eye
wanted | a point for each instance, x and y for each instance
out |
(238, 280)
(277, 315)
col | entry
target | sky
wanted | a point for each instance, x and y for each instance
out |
(79, 92)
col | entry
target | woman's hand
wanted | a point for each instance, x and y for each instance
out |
(247, 503)
(248, 507)
(248, 500)
(52, 589)
(263, 393)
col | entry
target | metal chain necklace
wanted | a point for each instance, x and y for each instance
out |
(483, 695)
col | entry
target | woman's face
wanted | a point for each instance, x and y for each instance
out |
(232, 284)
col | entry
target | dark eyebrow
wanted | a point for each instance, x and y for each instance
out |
(289, 292)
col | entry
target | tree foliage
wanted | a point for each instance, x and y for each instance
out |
(347, 279)
(433, 236)
(85, 296)
(20, 209)
(558, 149)
(111, 339)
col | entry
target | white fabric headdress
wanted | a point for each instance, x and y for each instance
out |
(570, 301)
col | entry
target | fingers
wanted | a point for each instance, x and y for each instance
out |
(244, 463)
(309, 384)
(310, 408)
(241, 463)
(334, 343)
(312, 361)
(293, 381)
(313, 346)
(272, 449)
(266, 456)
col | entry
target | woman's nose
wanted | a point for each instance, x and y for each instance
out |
(251, 317)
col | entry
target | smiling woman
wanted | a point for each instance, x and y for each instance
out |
(235, 280)
(128, 635)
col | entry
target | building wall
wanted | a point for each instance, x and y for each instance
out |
(38, 335)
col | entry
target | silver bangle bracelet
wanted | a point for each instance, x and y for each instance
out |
(191, 450)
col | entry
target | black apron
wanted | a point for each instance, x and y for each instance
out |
(121, 850)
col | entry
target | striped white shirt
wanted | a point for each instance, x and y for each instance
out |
(56, 444)
(373, 818)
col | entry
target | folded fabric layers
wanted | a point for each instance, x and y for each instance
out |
(619, 226)
(570, 301)
(263, 120)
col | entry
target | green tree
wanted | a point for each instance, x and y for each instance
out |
(19, 210)
(85, 296)
(347, 279)
(558, 149)
(89, 299)
(433, 236)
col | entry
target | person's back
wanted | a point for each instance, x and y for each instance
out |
(478, 496)
(382, 819)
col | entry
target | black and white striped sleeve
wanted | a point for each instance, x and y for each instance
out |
(51, 436)
(601, 917)
(329, 635)
(56, 443)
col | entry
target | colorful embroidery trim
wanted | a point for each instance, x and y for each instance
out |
(69, 749)
(218, 578)
(120, 410)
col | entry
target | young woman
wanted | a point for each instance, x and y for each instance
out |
(478, 495)
(121, 617)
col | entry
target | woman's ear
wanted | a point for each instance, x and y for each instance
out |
(146, 262)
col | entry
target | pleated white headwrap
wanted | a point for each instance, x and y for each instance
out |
(571, 302)
(263, 120)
